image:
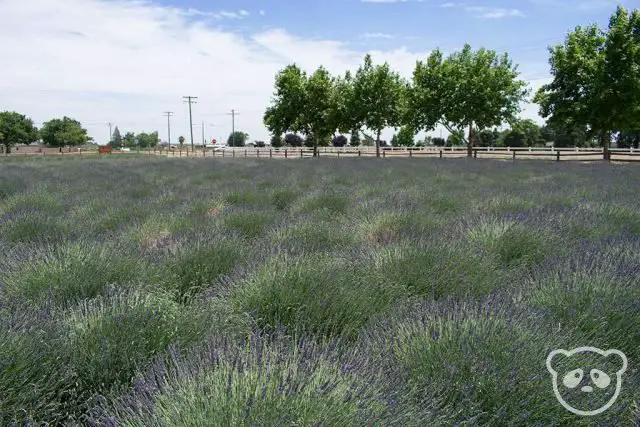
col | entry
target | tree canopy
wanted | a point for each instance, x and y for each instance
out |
(468, 89)
(237, 139)
(596, 79)
(15, 129)
(63, 132)
(377, 97)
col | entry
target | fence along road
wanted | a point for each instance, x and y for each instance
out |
(526, 153)
(538, 153)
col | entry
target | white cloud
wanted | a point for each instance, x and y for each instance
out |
(493, 12)
(377, 36)
(262, 13)
(127, 62)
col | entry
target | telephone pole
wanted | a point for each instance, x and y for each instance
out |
(204, 141)
(110, 133)
(168, 114)
(233, 115)
(190, 100)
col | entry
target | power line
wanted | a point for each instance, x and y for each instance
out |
(190, 100)
(168, 114)
(233, 115)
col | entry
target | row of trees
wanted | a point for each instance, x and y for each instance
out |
(468, 89)
(130, 139)
(16, 128)
(595, 93)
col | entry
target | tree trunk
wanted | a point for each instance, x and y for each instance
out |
(605, 141)
(378, 144)
(470, 141)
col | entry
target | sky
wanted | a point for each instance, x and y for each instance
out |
(127, 62)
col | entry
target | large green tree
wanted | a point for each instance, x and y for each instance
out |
(16, 128)
(147, 140)
(405, 137)
(63, 132)
(468, 90)
(318, 115)
(288, 101)
(596, 79)
(129, 139)
(378, 97)
(237, 139)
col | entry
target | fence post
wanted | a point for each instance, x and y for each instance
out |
(338, 154)
(258, 153)
(285, 153)
(301, 152)
(514, 154)
(359, 153)
(557, 156)
(181, 152)
(384, 154)
(440, 153)
(475, 153)
(233, 154)
(270, 153)
(245, 152)
(410, 153)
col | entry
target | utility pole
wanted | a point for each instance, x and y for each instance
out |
(169, 114)
(233, 115)
(190, 100)
(110, 133)
(204, 141)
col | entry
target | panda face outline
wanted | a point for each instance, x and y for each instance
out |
(582, 389)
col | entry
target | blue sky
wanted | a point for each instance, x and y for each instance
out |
(127, 61)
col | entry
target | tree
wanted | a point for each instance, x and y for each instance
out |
(15, 129)
(394, 140)
(377, 97)
(465, 91)
(237, 139)
(276, 141)
(439, 142)
(628, 139)
(293, 140)
(487, 137)
(116, 138)
(318, 117)
(405, 137)
(595, 79)
(456, 139)
(310, 141)
(354, 140)
(368, 141)
(129, 139)
(259, 144)
(339, 141)
(63, 132)
(146, 140)
(524, 133)
(289, 98)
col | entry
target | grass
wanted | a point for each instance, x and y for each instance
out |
(310, 292)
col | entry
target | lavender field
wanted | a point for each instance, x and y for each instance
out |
(245, 292)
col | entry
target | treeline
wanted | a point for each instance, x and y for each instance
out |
(131, 140)
(594, 96)
(16, 128)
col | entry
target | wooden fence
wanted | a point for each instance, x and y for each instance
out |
(557, 154)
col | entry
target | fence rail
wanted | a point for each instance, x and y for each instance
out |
(558, 154)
